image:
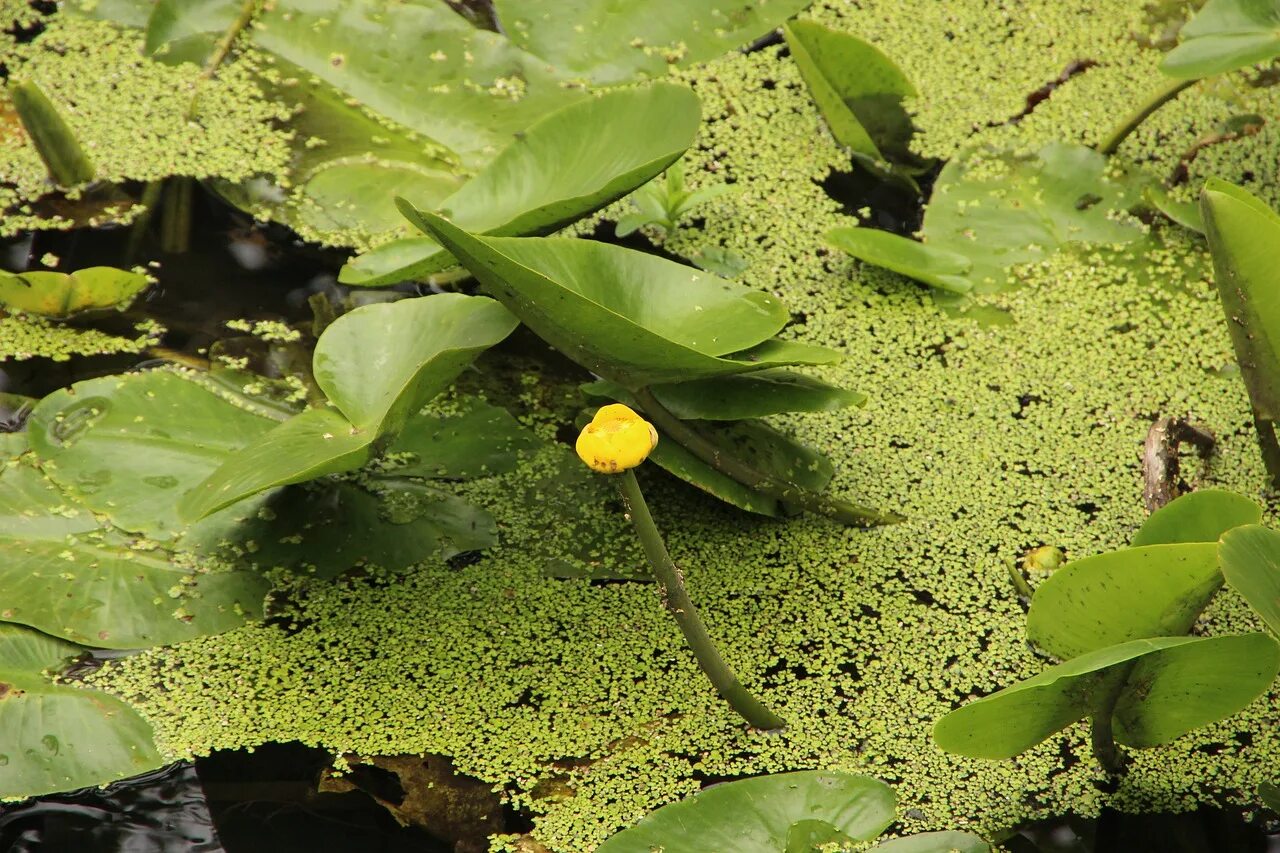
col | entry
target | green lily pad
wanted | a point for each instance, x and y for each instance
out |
(924, 262)
(1000, 209)
(1199, 516)
(936, 842)
(1249, 557)
(1177, 684)
(628, 316)
(127, 446)
(747, 395)
(781, 813)
(58, 737)
(858, 89)
(481, 440)
(1153, 591)
(1223, 36)
(576, 160)
(60, 295)
(1242, 231)
(70, 577)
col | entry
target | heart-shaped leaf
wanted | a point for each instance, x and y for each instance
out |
(628, 316)
(1154, 591)
(858, 89)
(1178, 684)
(1242, 232)
(941, 268)
(1249, 557)
(1200, 516)
(60, 295)
(764, 815)
(1223, 36)
(479, 441)
(747, 395)
(58, 737)
(936, 842)
(576, 160)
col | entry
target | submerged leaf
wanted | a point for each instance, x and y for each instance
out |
(923, 262)
(936, 842)
(60, 295)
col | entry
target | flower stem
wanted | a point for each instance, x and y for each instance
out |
(677, 601)
(1154, 101)
(734, 468)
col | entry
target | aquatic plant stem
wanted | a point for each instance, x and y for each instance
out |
(677, 601)
(1101, 730)
(1155, 101)
(1268, 444)
(734, 468)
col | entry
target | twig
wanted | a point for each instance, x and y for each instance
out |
(1160, 462)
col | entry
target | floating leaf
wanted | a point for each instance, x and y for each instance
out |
(1184, 213)
(1242, 233)
(1154, 591)
(766, 814)
(576, 160)
(1178, 684)
(127, 446)
(58, 737)
(1269, 793)
(936, 842)
(482, 440)
(1249, 557)
(747, 395)
(1199, 516)
(72, 578)
(605, 42)
(1223, 36)
(923, 262)
(60, 295)
(858, 89)
(628, 316)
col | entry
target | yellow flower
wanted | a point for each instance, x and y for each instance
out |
(615, 440)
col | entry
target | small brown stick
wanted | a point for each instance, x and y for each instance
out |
(1160, 463)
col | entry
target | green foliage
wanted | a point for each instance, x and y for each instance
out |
(60, 295)
(940, 268)
(1250, 560)
(1200, 516)
(59, 737)
(480, 440)
(663, 204)
(575, 160)
(744, 395)
(66, 161)
(1226, 35)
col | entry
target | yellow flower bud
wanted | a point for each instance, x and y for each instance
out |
(616, 439)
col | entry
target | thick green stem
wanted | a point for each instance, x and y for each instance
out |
(1105, 748)
(678, 603)
(175, 221)
(1155, 101)
(1270, 447)
(734, 468)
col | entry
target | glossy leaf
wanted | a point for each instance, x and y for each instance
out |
(606, 42)
(72, 578)
(380, 363)
(628, 316)
(936, 842)
(747, 395)
(1020, 716)
(59, 737)
(60, 295)
(1225, 35)
(127, 446)
(1243, 233)
(1199, 516)
(923, 262)
(481, 440)
(575, 160)
(858, 89)
(1249, 557)
(765, 815)
(1111, 598)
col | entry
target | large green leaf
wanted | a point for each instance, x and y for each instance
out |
(1200, 516)
(480, 440)
(70, 577)
(1243, 234)
(1154, 591)
(781, 813)
(1000, 209)
(380, 363)
(59, 295)
(858, 89)
(608, 42)
(936, 842)
(574, 161)
(747, 395)
(1020, 716)
(127, 446)
(58, 737)
(924, 262)
(1226, 35)
(1249, 557)
(628, 316)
